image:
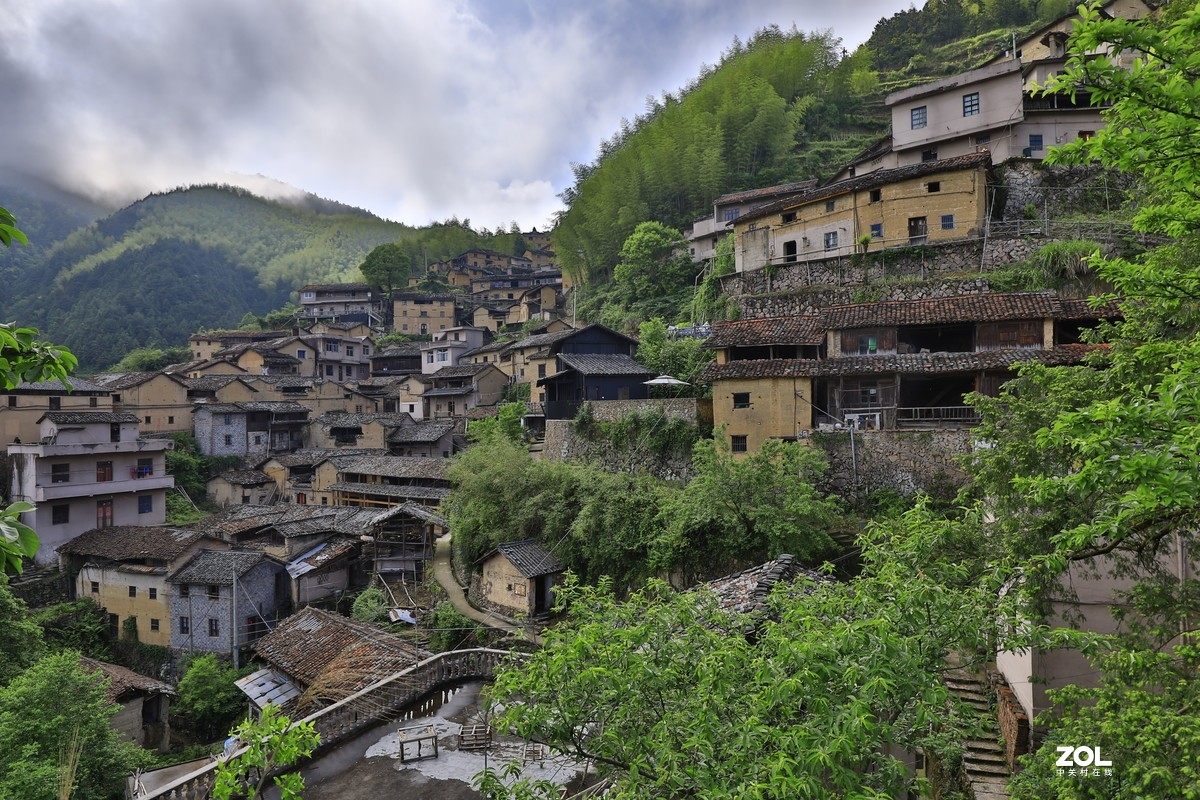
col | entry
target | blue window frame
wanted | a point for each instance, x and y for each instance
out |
(1035, 141)
(877, 230)
(947, 222)
(919, 117)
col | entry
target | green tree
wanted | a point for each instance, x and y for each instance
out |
(41, 712)
(506, 423)
(653, 261)
(680, 358)
(21, 640)
(151, 359)
(208, 696)
(271, 742)
(739, 511)
(371, 606)
(386, 267)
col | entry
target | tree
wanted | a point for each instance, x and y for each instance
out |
(371, 606)
(21, 641)
(653, 261)
(386, 267)
(151, 359)
(271, 742)
(681, 358)
(738, 511)
(9, 232)
(42, 711)
(506, 423)
(208, 696)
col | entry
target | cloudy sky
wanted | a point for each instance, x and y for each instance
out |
(414, 109)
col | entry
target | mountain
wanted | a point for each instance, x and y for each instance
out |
(46, 215)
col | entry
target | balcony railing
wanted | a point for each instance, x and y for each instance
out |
(936, 415)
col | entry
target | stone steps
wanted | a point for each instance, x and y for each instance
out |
(984, 764)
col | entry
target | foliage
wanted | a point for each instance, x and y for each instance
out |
(9, 232)
(398, 338)
(151, 359)
(707, 304)
(41, 712)
(506, 424)
(192, 469)
(386, 267)
(18, 541)
(1053, 266)
(76, 625)
(208, 696)
(282, 319)
(650, 430)
(180, 512)
(682, 358)
(651, 262)
(517, 392)
(746, 510)
(450, 630)
(371, 605)
(21, 642)
(272, 742)
(671, 698)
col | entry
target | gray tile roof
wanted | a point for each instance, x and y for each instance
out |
(392, 466)
(245, 477)
(122, 681)
(88, 417)
(342, 419)
(990, 307)
(529, 557)
(791, 330)
(388, 490)
(422, 432)
(217, 567)
(56, 386)
(448, 391)
(129, 542)
(459, 371)
(609, 364)
(122, 380)
(746, 591)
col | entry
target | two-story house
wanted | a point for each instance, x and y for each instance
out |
(345, 302)
(89, 469)
(453, 391)
(22, 407)
(160, 400)
(422, 313)
(448, 346)
(707, 231)
(255, 428)
(380, 481)
(225, 599)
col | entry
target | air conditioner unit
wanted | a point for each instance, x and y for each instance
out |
(864, 421)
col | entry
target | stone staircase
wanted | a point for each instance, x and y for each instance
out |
(984, 767)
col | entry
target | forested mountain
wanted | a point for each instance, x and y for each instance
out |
(47, 215)
(167, 265)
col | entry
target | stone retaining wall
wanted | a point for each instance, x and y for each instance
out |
(904, 461)
(562, 443)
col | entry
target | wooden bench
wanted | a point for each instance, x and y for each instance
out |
(475, 737)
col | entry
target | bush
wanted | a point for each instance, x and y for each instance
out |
(450, 630)
(370, 606)
(208, 697)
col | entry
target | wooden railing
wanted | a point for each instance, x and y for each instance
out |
(352, 715)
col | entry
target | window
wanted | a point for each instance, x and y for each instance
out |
(919, 117)
(332, 346)
(971, 104)
(868, 394)
(145, 467)
(788, 216)
(60, 514)
(245, 499)
(929, 155)
(737, 444)
(133, 591)
(328, 371)
(876, 195)
(60, 473)
(258, 438)
(148, 420)
(185, 590)
(404, 326)
(868, 345)
(55, 403)
(114, 432)
(103, 471)
(95, 587)
(934, 186)
(877, 230)
(12, 401)
(301, 353)
(1035, 141)
(93, 402)
(450, 407)
(170, 420)
(153, 624)
(229, 419)
(153, 593)
(443, 355)
(830, 205)
(541, 370)
(731, 214)
(947, 222)
(214, 627)
(228, 440)
(1083, 136)
(789, 251)
(831, 240)
(349, 350)
(741, 399)
(212, 591)
(146, 504)
(104, 515)
(983, 138)
(366, 350)
(185, 625)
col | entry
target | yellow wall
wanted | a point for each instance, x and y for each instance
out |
(114, 597)
(21, 420)
(162, 400)
(779, 408)
(505, 586)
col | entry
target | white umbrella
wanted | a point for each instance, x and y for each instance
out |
(665, 380)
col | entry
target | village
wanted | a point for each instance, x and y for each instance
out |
(869, 310)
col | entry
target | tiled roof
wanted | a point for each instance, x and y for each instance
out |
(769, 330)
(429, 431)
(88, 417)
(56, 386)
(990, 307)
(289, 520)
(459, 371)
(315, 455)
(217, 567)
(122, 380)
(529, 557)
(335, 287)
(388, 490)
(608, 364)
(307, 644)
(765, 193)
(392, 466)
(907, 363)
(542, 339)
(412, 349)
(871, 180)
(245, 477)
(272, 406)
(448, 391)
(130, 542)
(211, 383)
(323, 554)
(342, 419)
(421, 512)
(122, 681)
(423, 297)
(1082, 309)
(746, 592)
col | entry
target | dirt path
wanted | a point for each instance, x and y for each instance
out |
(444, 575)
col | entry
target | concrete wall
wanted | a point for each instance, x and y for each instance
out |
(779, 408)
(904, 461)
(499, 586)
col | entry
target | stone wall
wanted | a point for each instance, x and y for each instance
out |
(1013, 721)
(690, 409)
(809, 302)
(905, 461)
(1052, 190)
(562, 443)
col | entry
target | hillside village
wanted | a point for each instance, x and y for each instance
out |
(868, 311)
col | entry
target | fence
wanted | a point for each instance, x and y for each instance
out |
(361, 710)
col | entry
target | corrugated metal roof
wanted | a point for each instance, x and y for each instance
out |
(267, 687)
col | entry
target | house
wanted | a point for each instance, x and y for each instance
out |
(533, 357)
(396, 394)
(356, 330)
(241, 487)
(293, 472)
(402, 542)
(256, 428)
(144, 703)
(429, 439)
(219, 388)
(344, 302)
(327, 657)
(124, 570)
(448, 346)
(581, 377)
(359, 431)
(323, 570)
(88, 469)
(225, 599)
(707, 231)
(887, 365)
(318, 395)
(422, 314)
(22, 406)
(517, 578)
(288, 355)
(396, 359)
(379, 481)
(922, 203)
(158, 399)
(454, 390)
(205, 345)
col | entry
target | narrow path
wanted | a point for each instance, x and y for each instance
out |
(444, 575)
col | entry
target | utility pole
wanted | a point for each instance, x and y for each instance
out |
(233, 618)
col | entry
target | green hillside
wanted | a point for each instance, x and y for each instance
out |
(202, 257)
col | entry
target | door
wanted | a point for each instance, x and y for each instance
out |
(918, 230)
